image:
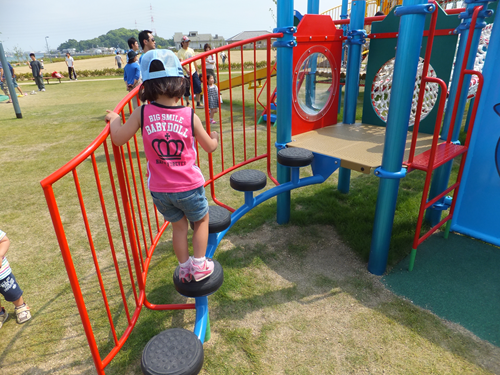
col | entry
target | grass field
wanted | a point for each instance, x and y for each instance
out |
(109, 62)
(297, 299)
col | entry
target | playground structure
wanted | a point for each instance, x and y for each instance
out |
(308, 84)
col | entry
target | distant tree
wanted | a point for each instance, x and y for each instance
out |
(114, 38)
(19, 54)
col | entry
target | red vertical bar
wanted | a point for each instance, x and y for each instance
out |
(231, 102)
(243, 103)
(94, 255)
(73, 278)
(141, 178)
(255, 97)
(462, 74)
(120, 221)
(428, 51)
(110, 238)
(128, 217)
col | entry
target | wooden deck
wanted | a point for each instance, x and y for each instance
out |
(358, 146)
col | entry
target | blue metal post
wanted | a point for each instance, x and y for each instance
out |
(312, 8)
(355, 41)
(200, 326)
(10, 83)
(356, 38)
(442, 174)
(284, 79)
(411, 29)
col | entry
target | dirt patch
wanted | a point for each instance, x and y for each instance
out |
(331, 316)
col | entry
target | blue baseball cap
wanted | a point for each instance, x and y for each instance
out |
(171, 64)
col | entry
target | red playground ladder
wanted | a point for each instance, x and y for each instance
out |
(444, 152)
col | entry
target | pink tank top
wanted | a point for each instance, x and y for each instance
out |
(168, 136)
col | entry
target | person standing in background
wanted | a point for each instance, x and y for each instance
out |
(132, 72)
(147, 41)
(70, 63)
(190, 70)
(210, 62)
(36, 69)
(133, 44)
(223, 57)
(118, 60)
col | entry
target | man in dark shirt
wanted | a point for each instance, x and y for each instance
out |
(36, 69)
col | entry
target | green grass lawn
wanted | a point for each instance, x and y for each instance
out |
(297, 298)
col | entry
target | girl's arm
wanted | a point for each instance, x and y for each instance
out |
(120, 134)
(4, 246)
(208, 142)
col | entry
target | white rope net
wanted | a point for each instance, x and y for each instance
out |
(382, 85)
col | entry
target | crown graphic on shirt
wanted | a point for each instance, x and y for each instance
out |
(168, 150)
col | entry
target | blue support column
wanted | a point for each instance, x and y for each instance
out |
(355, 41)
(284, 84)
(312, 8)
(411, 29)
(10, 83)
(442, 174)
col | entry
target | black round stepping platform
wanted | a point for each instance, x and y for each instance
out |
(248, 180)
(201, 288)
(295, 157)
(219, 219)
(175, 351)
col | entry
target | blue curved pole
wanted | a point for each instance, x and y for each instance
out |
(442, 174)
(284, 79)
(322, 166)
(411, 29)
(200, 326)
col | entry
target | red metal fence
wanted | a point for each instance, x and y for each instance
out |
(106, 225)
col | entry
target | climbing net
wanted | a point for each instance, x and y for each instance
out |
(382, 85)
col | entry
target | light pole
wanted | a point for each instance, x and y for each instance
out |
(48, 50)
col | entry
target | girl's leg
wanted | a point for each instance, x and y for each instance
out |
(179, 239)
(18, 302)
(200, 237)
(202, 267)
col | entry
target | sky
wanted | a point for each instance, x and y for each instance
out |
(62, 20)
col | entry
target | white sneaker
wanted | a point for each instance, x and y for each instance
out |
(42, 90)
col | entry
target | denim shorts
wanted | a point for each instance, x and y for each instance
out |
(10, 289)
(196, 84)
(174, 206)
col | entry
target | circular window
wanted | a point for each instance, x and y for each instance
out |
(382, 85)
(315, 83)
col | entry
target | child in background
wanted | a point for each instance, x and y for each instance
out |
(132, 71)
(9, 288)
(213, 97)
(168, 133)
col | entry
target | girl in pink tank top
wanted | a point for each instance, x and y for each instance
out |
(168, 133)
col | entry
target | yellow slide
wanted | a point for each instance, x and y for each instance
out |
(247, 78)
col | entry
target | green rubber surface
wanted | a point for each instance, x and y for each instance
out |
(457, 279)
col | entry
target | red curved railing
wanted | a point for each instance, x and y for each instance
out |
(120, 225)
